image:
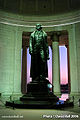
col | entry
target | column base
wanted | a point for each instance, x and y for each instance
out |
(75, 96)
(10, 96)
(15, 96)
(75, 93)
(5, 97)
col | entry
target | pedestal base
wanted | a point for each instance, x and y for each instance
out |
(39, 95)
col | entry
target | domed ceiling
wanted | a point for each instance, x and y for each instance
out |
(39, 7)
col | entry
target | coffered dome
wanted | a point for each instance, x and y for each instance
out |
(39, 7)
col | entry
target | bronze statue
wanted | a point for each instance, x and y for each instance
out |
(39, 94)
(38, 49)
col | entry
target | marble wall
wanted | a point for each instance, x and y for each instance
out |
(10, 60)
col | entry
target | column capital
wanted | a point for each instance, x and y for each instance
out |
(55, 36)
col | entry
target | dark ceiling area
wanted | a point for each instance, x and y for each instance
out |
(39, 7)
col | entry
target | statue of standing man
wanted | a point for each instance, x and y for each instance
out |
(38, 49)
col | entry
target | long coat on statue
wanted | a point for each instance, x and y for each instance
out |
(38, 49)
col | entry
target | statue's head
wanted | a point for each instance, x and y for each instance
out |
(38, 27)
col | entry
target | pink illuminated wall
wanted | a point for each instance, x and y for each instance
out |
(63, 65)
(50, 65)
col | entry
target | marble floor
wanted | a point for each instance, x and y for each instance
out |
(40, 114)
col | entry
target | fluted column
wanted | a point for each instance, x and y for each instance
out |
(56, 64)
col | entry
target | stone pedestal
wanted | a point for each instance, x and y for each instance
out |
(38, 95)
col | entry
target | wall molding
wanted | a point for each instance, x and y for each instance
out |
(46, 21)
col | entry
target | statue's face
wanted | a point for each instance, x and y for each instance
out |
(38, 27)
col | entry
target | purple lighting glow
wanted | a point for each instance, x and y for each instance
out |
(63, 65)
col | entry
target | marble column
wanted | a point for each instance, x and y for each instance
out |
(74, 36)
(56, 64)
(24, 70)
(74, 39)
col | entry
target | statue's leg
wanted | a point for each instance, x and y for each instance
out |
(36, 67)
